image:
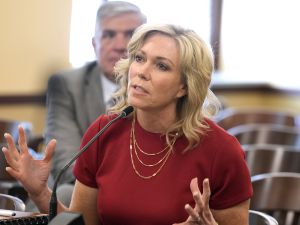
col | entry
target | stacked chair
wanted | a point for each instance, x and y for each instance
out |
(271, 141)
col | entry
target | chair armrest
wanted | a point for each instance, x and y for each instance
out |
(18, 203)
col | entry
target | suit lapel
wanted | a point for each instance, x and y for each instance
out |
(93, 95)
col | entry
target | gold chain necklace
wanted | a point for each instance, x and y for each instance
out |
(133, 149)
(146, 153)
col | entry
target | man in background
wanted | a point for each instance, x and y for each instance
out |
(77, 97)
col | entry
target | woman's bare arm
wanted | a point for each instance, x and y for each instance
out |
(84, 200)
(238, 214)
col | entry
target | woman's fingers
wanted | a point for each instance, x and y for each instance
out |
(13, 152)
(12, 162)
(202, 200)
(201, 213)
(201, 209)
(194, 215)
(206, 192)
(50, 150)
(13, 172)
(196, 194)
(195, 190)
(206, 216)
(194, 185)
(22, 140)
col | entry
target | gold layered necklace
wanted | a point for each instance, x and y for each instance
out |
(137, 151)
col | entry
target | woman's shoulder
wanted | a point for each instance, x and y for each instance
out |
(220, 138)
(215, 129)
(104, 119)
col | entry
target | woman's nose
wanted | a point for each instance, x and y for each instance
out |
(143, 76)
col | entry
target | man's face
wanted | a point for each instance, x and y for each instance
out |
(110, 41)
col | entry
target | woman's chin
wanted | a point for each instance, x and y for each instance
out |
(138, 104)
(135, 102)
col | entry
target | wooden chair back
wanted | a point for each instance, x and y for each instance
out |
(272, 158)
(232, 117)
(277, 194)
(250, 134)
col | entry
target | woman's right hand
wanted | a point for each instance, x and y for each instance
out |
(33, 174)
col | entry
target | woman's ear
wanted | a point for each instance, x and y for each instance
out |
(182, 91)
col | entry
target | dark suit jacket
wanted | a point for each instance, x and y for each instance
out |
(74, 101)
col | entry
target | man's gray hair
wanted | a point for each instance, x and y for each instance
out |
(115, 8)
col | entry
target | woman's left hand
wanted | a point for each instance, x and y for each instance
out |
(201, 213)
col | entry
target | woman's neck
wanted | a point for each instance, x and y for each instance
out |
(155, 122)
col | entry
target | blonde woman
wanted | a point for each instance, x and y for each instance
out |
(167, 162)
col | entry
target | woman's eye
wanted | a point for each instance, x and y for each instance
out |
(162, 66)
(138, 58)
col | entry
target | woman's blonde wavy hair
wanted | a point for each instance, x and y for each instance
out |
(196, 69)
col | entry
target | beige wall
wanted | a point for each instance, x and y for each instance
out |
(272, 99)
(34, 42)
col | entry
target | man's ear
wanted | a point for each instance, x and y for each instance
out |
(93, 42)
